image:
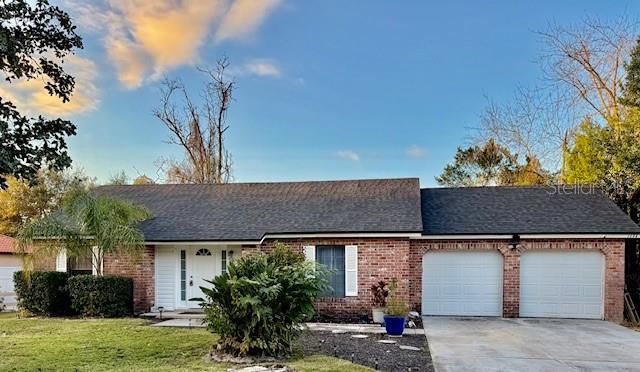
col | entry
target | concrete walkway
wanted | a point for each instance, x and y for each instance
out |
(181, 323)
(327, 327)
(490, 344)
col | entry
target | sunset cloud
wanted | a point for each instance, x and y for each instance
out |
(32, 99)
(349, 155)
(243, 17)
(144, 39)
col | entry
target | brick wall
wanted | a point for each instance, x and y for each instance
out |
(384, 259)
(141, 269)
(378, 259)
(613, 251)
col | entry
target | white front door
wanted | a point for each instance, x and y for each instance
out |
(204, 265)
(467, 283)
(562, 284)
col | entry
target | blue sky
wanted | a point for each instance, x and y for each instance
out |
(325, 89)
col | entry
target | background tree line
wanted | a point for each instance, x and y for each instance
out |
(582, 125)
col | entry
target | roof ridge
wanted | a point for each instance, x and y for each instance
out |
(510, 186)
(266, 182)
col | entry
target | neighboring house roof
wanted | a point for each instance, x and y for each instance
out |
(521, 210)
(8, 244)
(248, 211)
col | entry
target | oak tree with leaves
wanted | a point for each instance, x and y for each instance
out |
(35, 37)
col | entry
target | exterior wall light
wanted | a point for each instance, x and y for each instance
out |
(514, 243)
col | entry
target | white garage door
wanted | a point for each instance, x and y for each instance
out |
(561, 284)
(462, 283)
(6, 286)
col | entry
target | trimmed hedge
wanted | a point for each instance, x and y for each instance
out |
(105, 296)
(44, 293)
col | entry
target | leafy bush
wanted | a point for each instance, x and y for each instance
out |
(106, 296)
(42, 292)
(380, 292)
(258, 306)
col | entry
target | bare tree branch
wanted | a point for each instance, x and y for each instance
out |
(588, 60)
(535, 124)
(199, 129)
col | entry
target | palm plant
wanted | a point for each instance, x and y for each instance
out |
(86, 225)
(257, 307)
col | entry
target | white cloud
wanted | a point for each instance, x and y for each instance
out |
(349, 155)
(32, 99)
(415, 151)
(259, 67)
(262, 67)
(144, 39)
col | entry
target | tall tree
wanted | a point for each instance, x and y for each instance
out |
(610, 158)
(535, 124)
(199, 129)
(21, 202)
(119, 178)
(491, 165)
(631, 88)
(143, 180)
(88, 225)
(588, 60)
(34, 39)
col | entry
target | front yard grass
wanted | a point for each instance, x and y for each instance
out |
(118, 345)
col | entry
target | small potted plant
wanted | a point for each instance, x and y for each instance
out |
(395, 315)
(380, 292)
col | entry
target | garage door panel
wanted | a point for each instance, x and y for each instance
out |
(462, 283)
(594, 292)
(563, 284)
(7, 290)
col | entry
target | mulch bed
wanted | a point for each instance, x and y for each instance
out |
(368, 351)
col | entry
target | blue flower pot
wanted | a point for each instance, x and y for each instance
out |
(394, 325)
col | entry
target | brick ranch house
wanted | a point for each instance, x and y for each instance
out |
(485, 251)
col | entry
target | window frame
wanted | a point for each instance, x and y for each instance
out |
(333, 293)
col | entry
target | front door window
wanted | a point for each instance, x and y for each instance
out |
(183, 275)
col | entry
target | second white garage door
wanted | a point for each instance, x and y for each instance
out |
(561, 284)
(465, 283)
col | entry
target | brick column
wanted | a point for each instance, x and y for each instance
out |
(511, 284)
(141, 269)
(614, 280)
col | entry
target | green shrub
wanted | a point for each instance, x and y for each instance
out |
(104, 296)
(42, 292)
(257, 307)
(395, 306)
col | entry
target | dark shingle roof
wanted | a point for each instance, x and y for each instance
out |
(520, 210)
(247, 211)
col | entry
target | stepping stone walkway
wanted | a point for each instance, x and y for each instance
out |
(359, 336)
(260, 369)
(412, 348)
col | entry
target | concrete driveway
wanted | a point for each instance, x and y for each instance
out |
(489, 344)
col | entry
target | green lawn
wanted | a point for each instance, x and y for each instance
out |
(118, 345)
